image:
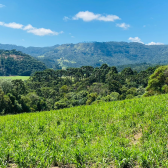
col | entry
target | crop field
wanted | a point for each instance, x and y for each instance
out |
(129, 133)
(14, 77)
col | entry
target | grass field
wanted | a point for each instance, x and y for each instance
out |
(14, 77)
(129, 133)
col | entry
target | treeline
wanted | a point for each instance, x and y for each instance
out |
(14, 62)
(51, 89)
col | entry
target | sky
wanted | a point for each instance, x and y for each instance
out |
(43, 23)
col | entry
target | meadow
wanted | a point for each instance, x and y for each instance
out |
(15, 77)
(128, 133)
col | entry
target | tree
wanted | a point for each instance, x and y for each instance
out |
(6, 85)
(158, 81)
(127, 72)
(18, 87)
(2, 105)
(114, 86)
(104, 66)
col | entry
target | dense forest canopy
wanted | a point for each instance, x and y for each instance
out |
(50, 89)
(96, 53)
(16, 63)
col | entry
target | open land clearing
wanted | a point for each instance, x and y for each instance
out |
(129, 133)
(15, 77)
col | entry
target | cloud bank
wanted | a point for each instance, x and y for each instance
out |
(153, 43)
(135, 39)
(30, 29)
(138, 40)
(90, 16)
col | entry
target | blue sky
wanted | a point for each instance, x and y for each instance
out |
(51, 22)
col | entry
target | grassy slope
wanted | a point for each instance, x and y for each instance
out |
(123, 133)
(14, 77)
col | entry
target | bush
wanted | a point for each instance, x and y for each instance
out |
(91, 98)
(63, 103)
(112, 97)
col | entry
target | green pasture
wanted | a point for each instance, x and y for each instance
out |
(129, 133)
(15, 77)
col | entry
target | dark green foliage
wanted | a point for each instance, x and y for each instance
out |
(50, 89)
(158, 82)
(16, 63)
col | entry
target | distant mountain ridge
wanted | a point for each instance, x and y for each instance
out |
(96, 53)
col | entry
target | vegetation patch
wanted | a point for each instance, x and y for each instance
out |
(49, 89)
(15, 77)
(89, 136)
(16, 63)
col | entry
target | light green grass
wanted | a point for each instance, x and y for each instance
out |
(125, 133)
(41, 56)
(15, 77)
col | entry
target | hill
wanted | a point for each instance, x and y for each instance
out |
(96, 53)
(129, 133)
(16, 63)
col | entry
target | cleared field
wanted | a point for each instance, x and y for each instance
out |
(130, 133)
(14, 77)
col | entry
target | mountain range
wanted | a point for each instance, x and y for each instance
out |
(95, 54)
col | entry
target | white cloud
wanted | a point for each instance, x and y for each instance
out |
(30, 29)
(123, 25)
(1, 5)
(12, 25)
(66, 18)
(42, 32)
(153, 43)
(72, 36)
(39, 31)
(135, 39)
(144, 25)
(90, 16)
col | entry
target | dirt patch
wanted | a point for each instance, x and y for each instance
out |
(16, 57)
(137, 137)
(12, 165)
(64, 166)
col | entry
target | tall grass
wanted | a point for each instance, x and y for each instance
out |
(129, 133)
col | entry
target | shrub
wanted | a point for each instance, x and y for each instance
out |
(91, 98)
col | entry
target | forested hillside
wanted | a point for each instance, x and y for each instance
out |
(96, 53)
(33, 51)
(16, 63)
(51, 89)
